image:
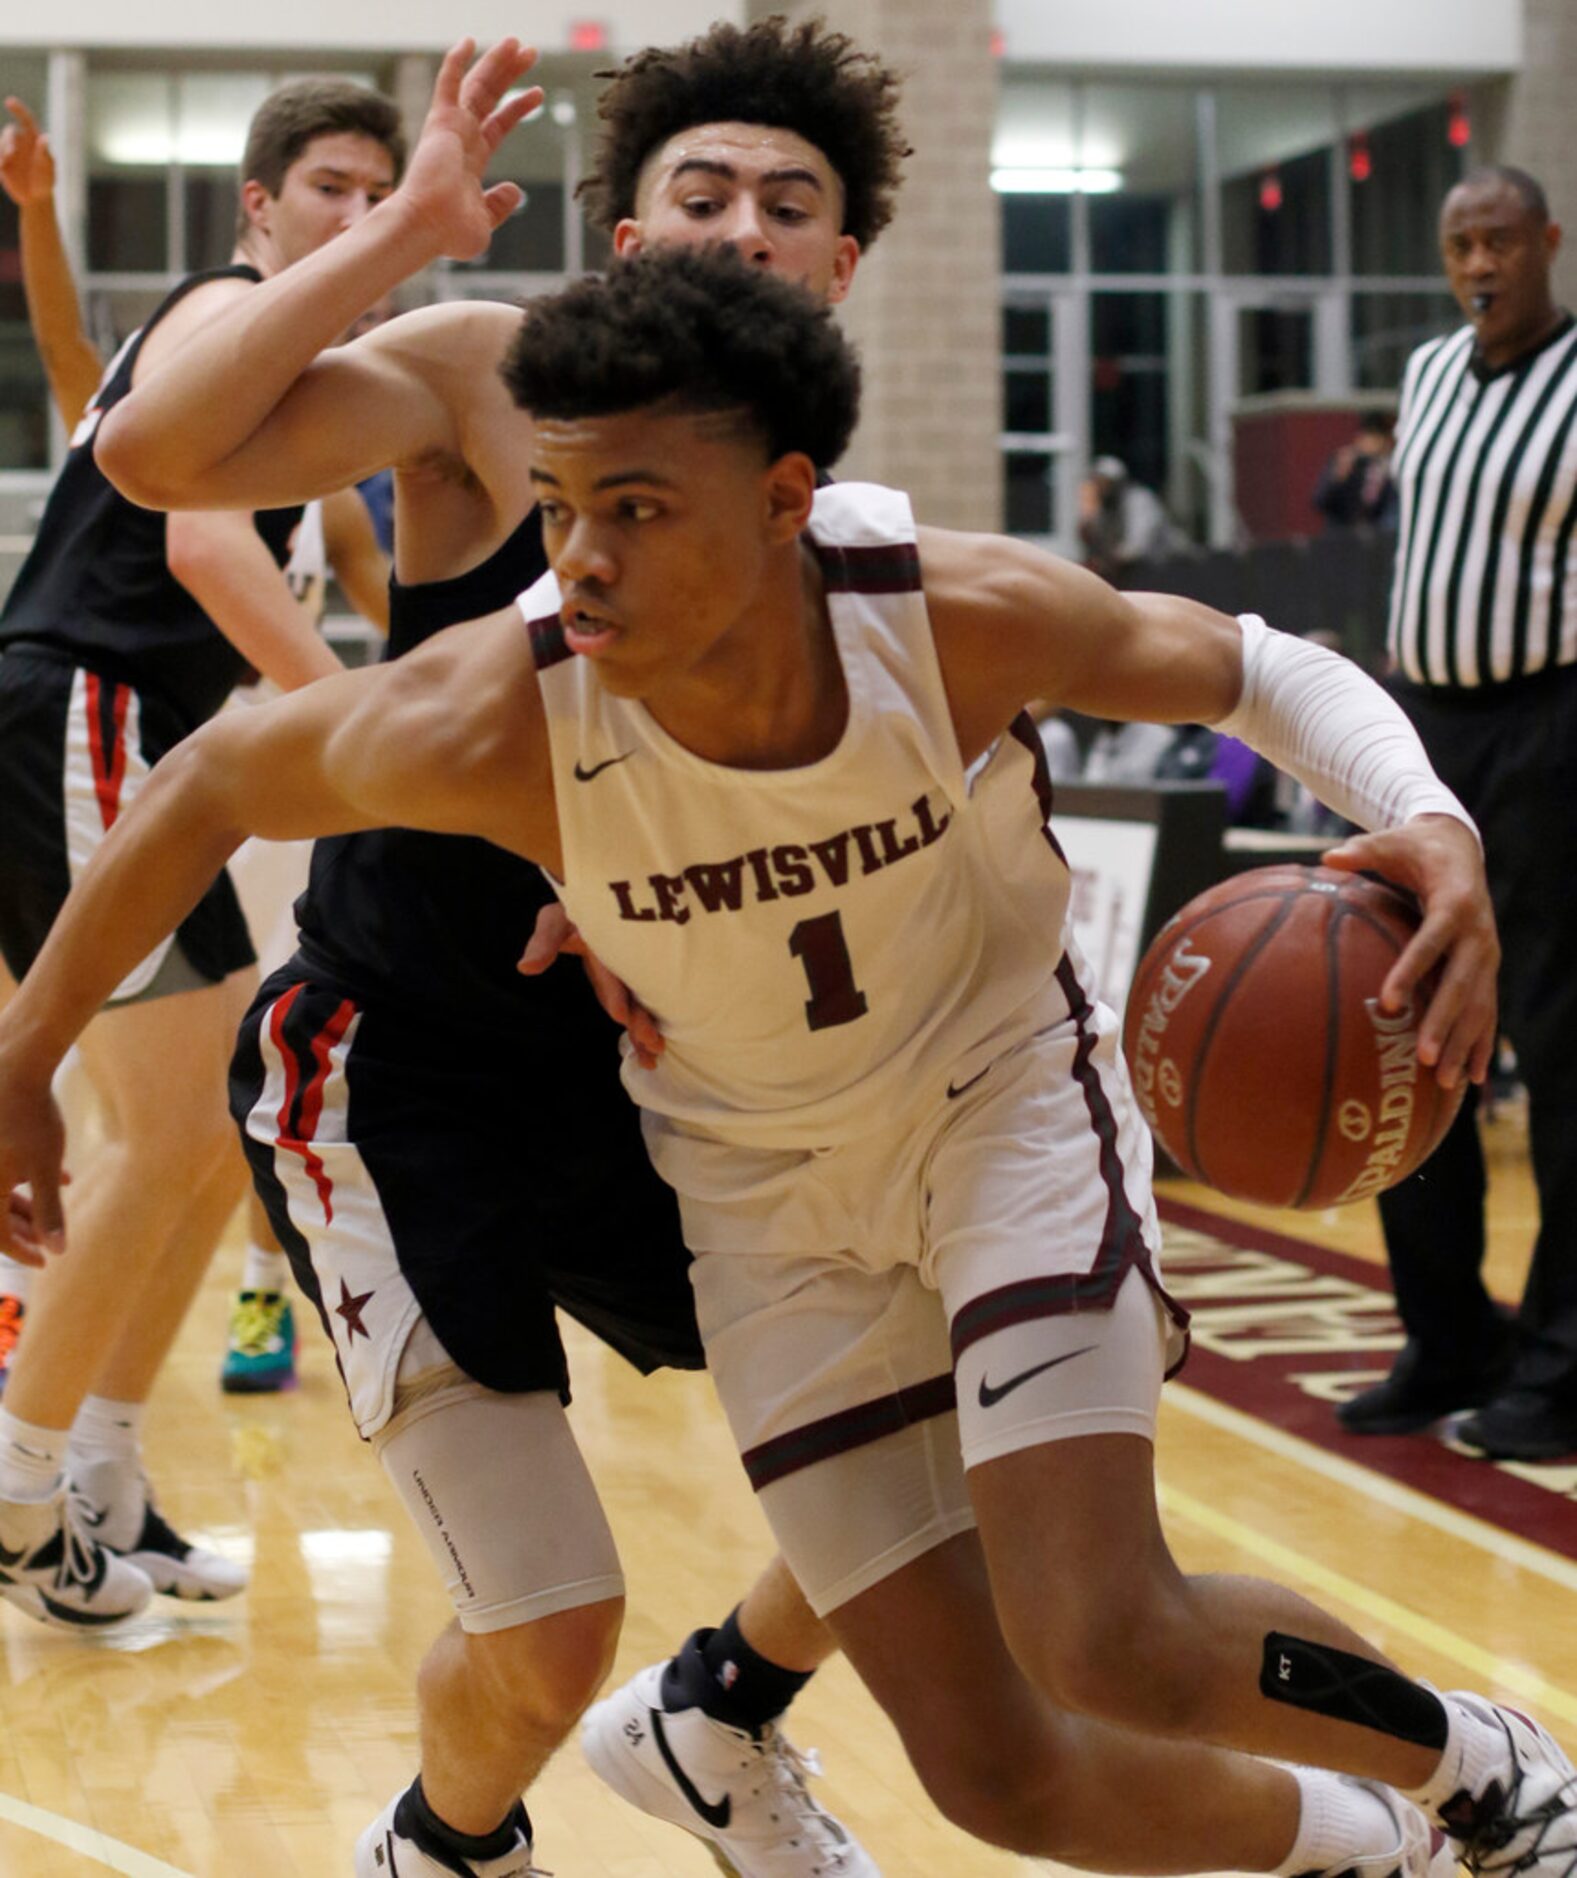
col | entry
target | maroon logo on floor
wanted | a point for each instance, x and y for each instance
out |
(1285, 1330)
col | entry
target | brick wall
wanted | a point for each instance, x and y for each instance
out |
(1536, 131)
(925, 309)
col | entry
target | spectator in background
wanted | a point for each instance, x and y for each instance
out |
(1355, 489)
(1120, 521)
(1064, 758)
(1127, 753)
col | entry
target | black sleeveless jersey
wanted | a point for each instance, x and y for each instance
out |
(436, 923)
(97, 588)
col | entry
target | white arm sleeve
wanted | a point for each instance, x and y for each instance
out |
(1315, 715)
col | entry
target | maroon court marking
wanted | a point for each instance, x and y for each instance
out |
(1248, 1298)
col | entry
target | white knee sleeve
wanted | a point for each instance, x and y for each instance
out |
(499, 1491)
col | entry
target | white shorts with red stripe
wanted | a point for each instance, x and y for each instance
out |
(104, 770)
(75, 749)
(301, 1117)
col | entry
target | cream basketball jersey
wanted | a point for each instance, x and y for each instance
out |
(826, 945)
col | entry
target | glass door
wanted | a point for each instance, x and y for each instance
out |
(1268, 338)
(1045, 412)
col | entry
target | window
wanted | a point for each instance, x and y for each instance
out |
(1128, 234)
(1276, 145)
(1130, 416)
(1037, 234)
(1276, 349)
(535, 156)
(1387, 327)
(1407, 166)
(1140, 143)
(1029, 489)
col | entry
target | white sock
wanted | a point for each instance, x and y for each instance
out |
(107, 1431)
(16, 1281)
(1340, 1821)
(31, 1459)
(1474, 1750)
(264, 1270)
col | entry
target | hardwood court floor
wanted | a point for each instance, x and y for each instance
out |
(255, 1739)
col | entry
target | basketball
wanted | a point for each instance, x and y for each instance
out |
(1260, 1054)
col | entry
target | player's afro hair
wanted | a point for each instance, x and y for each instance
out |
(801, 78)
(698, 329)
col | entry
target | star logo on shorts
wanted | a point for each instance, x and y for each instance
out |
(350, 1308)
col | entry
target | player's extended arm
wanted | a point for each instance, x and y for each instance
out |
(449, 738)
(360, 565)
(27, 174)
(223, 563)
(1014, 623)
(247, 413)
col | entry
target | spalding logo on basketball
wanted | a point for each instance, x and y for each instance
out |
(1259, 1050)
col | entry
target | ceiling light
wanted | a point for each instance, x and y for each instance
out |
(1055, 182)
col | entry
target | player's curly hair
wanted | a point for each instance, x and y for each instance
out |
(701, 330)
(802, 78)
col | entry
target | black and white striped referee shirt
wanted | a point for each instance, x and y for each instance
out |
(1486, 464)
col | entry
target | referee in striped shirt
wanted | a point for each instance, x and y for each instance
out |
(1483, 637)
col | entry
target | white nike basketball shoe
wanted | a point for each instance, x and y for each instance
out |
(116, 1504)
(389, 1849)
(1523, 1816)
(53, 1568)
(745, 1795)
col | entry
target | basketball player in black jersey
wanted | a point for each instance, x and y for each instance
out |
(122, 633)
(470, 1082)
(260, 1346)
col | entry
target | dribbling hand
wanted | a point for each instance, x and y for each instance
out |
(1439, 859)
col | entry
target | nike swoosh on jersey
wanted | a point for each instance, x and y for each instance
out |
(716, 1813)
(990, 1396)
(582, 774)
(959, 1088)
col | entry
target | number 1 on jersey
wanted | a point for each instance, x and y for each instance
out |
(820, 947)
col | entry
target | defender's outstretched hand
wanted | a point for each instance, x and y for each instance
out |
(474, 108)
(27, 164)
(1440, 860)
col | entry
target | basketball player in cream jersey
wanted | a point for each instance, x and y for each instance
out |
(926, 1265)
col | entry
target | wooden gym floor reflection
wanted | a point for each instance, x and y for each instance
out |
(255, 1739)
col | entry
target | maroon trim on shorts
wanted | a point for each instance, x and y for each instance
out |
(848, 1429)
(1122, 1248)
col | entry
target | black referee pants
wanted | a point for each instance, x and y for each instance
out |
(1510, 753)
